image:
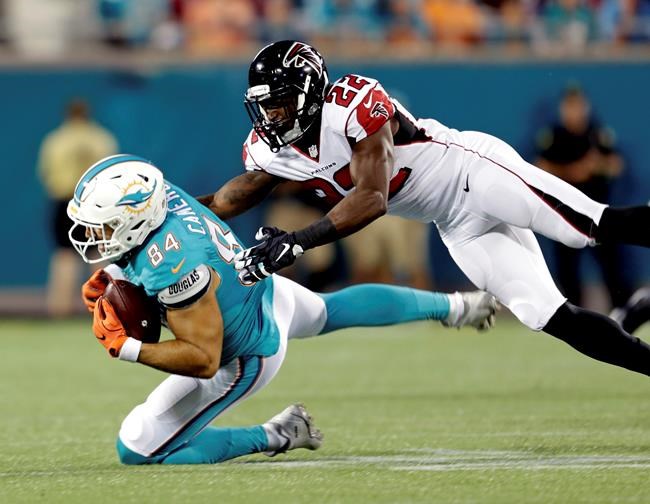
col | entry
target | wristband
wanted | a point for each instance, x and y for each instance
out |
(319, 233)
(130, 350)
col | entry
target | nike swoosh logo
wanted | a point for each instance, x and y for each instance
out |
(178, 267)
(466, 188)
(368, 104)
(284, 251)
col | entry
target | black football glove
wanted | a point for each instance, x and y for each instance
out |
(278, 250)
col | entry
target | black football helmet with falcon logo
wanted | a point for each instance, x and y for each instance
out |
(291, 76)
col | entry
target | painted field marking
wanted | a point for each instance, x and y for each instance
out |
(418, 459)
(438, 460)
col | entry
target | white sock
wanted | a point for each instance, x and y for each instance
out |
(456, 308)
(275, 439)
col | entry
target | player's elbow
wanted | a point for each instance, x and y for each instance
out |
(207, 368)
(378, 204)
(203, 365)
(208, 371)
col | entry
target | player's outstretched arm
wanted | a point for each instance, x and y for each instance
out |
(371, 166)
(240, 194)
(370, 169)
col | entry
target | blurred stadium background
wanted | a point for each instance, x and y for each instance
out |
(167, 79)
(485, 414)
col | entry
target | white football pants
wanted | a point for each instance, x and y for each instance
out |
(503, 199)
(180, 407)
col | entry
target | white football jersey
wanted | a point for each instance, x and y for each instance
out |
(356, 107)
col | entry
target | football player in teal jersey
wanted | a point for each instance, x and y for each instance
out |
(230, 338)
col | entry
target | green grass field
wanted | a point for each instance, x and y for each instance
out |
(414, 413)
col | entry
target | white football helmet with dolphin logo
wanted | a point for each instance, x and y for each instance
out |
(124, 193)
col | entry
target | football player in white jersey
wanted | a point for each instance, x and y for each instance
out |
(363, 153)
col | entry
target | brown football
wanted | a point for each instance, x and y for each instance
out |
(139, 313)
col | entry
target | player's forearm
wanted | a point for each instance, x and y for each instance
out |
(353, 213)
(357, 210)
(370, 168)
(240, 194)
(206, 199)
(178, 357)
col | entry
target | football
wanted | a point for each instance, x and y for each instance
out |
(139, 313)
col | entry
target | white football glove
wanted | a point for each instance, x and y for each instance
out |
(479, 311)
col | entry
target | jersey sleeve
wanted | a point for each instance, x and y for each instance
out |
(357, 106)
(166, 259)
(188, 289)
(374, 110)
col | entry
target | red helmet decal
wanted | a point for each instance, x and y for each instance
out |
(300, 54)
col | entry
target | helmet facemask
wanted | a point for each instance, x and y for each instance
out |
(95, 242)
(291, 103)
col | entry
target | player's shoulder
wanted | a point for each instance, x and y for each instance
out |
(356, 81)
(356, 106)
(345, 94)
(169, 254)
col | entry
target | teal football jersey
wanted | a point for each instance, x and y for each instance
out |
(191, 236)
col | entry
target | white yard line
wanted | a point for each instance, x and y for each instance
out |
(460, 460)
(420, 459)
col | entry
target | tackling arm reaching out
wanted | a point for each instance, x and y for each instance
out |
(240, 194)
(370, 168)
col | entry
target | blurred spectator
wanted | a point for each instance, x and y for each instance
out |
(278, 20)
(455, 22)
(343, 21)
(625, 20)
(581, 151)
(231, 27)
(65, 154)
(128, 23)
(565, 27)
(509, 21)
(218, 26)
(403, 24)
(37, 28)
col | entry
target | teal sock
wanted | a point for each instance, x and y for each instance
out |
(210, 446)
(378, 304)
